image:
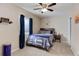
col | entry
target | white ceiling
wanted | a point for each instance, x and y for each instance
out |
(60, 9)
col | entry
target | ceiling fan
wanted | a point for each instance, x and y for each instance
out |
(45, 7)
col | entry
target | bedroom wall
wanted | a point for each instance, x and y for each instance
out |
(75, 31)
(60, 24)
(9, 33)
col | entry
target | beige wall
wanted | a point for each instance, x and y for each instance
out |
(59, 23)
(9, 33)
(75, 31)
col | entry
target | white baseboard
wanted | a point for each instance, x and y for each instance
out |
(14, 50)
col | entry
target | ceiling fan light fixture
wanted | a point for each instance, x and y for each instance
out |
(44, 10)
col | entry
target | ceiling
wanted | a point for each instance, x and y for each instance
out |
(60, 9)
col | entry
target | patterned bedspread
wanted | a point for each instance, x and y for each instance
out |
(42, 40)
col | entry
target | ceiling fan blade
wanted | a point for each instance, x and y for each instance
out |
(41, 4)
(52, 4)
(50, 10)
(37, 8)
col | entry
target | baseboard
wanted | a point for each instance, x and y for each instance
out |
(14, 50)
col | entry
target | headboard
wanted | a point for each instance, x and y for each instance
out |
(52, 30)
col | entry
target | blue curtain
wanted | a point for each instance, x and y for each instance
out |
(30, 26)
(22, 32)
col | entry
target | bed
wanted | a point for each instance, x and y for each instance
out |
(44, 39)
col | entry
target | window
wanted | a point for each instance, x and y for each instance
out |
(26, 25)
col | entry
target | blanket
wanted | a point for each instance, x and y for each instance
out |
(42, 40)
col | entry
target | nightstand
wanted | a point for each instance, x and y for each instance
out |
(57, 38)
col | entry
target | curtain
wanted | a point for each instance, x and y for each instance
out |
(30, 26)
(22, 32)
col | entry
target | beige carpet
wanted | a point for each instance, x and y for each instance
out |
(59, 49)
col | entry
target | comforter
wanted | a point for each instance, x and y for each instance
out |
(41, 40)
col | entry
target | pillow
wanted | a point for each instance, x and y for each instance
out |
(45, 32)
